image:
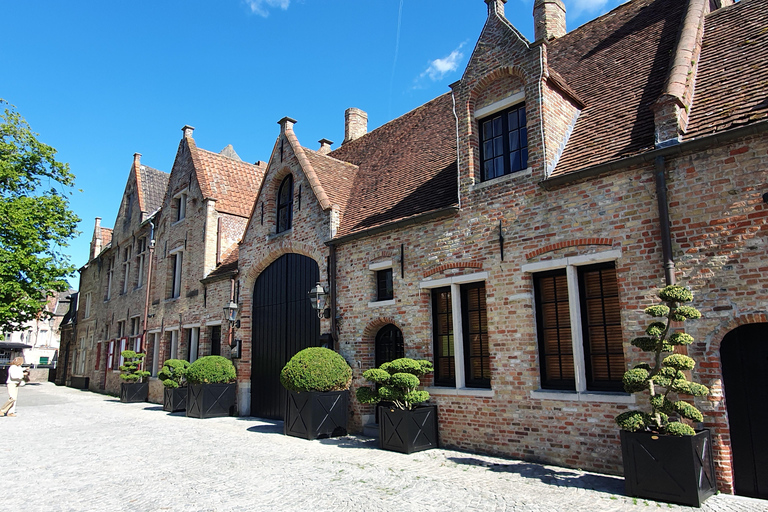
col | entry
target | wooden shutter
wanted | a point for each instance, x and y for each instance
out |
(554, 330)
(445, 370)
(475, 327)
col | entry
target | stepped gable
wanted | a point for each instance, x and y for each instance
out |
(617, 64)
(230, 181)
(406, 167)
(152, 187)
(732, 79)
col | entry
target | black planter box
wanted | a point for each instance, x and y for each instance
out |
(676, 469)
(211, 400)
(316, 415)
(408, 431)
(133, 392)
(175, 399)
(79, 382)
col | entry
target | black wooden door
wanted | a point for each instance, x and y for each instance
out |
(389, 344)
(283, 323)
(744, 356)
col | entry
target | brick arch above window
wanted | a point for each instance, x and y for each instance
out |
(448, 266)
(568, 243)
(373, 327)
(496, 86)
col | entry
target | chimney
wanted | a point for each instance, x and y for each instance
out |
(96, 240)
(325, 146)
(137, 160)
(496, 7)
(355, 124)
(188, 131)
(548, 19)
(717, 4)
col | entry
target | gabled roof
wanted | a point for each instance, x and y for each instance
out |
(152, 185)
(617, 64)
(106, 236)
(406, 167)
(230, 181)
(732, 80)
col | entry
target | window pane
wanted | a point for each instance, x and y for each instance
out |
(554, 330)
(524, 158)
(443, 337)
(514, 140)
(512, 120)
(475, 325)
(523, 137)
(514, 161)
(521, 116)
(488, 149)
(499, 165)
(498, 147)
(487, 130)
(497, 129)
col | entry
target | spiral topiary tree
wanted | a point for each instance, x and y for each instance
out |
(396, 382)
(130, 369)
(172, 373)
(316, 369)
(664, 379)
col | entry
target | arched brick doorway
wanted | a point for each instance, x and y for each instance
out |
(283, 323)
(744, 358)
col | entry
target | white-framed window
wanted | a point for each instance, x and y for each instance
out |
(154, 336)
(111, 355)
(135, 338)
(141, 250)
(175, 276)
(121, 342)
(126, 268)
(81, 357)
(173, 342)
(87, 312)
(193, 342)
(180, 206)
(384, 293)
(110, 275)
(578, 326)
(460, 332)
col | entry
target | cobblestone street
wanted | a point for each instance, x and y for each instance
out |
(77, 450)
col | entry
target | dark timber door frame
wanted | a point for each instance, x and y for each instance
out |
(283, 323)
(744, 358)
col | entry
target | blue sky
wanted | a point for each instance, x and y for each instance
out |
(100, 81)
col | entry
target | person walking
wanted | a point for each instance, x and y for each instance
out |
(16, 378)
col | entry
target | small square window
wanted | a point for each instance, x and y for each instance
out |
(384, 290)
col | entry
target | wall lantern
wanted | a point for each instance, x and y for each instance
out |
(230, 311)
(317, 298)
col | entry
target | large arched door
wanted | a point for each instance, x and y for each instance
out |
(744, 356)
(283, 323)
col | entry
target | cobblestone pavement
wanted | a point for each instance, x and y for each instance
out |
(77, 450)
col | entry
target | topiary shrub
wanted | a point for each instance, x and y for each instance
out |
(316, 369)
(130, 369)
(211, 370)
(664, 378)
(172, 373)
(396, 382)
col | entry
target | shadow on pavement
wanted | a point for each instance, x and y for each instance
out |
(351, 442)
(154, 408)
(560, 477)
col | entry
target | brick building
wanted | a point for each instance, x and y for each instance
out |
(511, 230)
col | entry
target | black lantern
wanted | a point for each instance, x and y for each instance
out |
(317, 297)
(230, 311)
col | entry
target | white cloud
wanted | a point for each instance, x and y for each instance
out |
(261, 7)
(438, 68)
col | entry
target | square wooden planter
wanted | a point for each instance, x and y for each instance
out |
(408, 431)
(316, 415)
(211, 400)
(132, 392)
(675, 469)
(175, 399)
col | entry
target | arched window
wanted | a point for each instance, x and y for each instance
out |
(389, 344)
(285, 205)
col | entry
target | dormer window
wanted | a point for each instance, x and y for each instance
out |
(503, 142)
(180, 206)
(285, 205)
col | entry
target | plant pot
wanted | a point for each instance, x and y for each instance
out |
(79, 382)
(408, 431)
(676, 469)
(175, 399)
(132, 392)
(316, 415)
(211, 400)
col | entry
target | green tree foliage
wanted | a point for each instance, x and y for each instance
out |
(396, 382)
(665, 377)
(316, 369)
(130, 371)
(173, 372)
(36, 221)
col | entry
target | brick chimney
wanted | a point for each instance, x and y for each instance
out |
(355, 124)
(325, 146)
(96, 241)
(548, 19)
(137, 160)
(188, 131)
(496, 7)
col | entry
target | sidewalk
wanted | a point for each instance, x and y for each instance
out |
(80, 451)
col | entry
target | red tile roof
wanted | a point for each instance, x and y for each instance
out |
(232, 182)
(732, 79)
(617, 65)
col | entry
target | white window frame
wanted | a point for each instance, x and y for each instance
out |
(110, 273)
(177, 262)
(181, 206)
(126, 268)
(81, 357)
(194, 341)
(174, 348)
(155, 334)
(571, 264)
(140, 258)
(375, 267)
(87, 313)
(135, 337)
(458, 333)
(111, 354)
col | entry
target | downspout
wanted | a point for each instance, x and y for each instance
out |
(332, 284)
(666, 237)
(230, 334)
(149, 285)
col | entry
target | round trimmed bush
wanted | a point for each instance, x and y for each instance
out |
(316, 369)
(211, 370)
(172, 373)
